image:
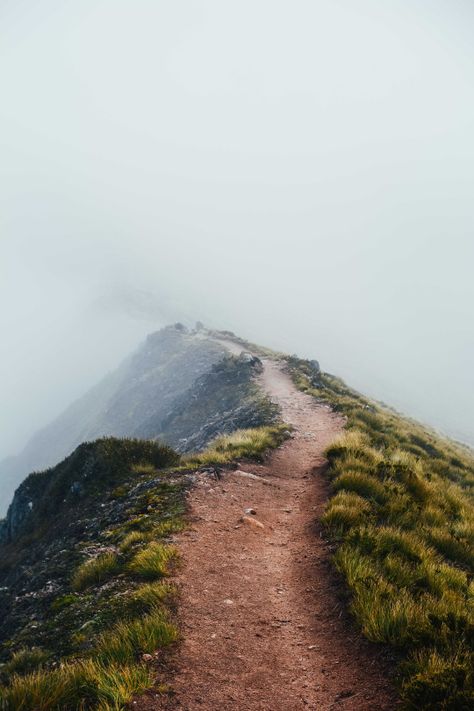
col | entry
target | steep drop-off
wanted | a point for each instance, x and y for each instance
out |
(157, 392)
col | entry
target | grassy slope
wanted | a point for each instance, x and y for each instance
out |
(119, 604)
(106, 617)
(402, 512)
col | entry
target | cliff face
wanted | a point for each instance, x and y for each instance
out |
(131, 402)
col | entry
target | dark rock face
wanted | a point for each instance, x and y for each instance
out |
(315, 366)
(221, 401)
(18, 512)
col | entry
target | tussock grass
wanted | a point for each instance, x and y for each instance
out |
(154, 561)
(26, 660)
(137, 538)
(128, 639)
(97, 632)
(95, 571)
(167, 528)
(361, 483)
(113, 674)
(345, 511)
(403, 514)
(394, 619)
(152, 595)
(134, 539)
(76, 687)
(241, 444)
(439, 681)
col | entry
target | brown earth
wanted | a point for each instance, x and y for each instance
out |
(263, 620)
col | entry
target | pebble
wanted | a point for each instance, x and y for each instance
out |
(252, 522)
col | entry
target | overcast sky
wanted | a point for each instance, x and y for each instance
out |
(300, 172)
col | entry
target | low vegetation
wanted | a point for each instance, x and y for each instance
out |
(117, 603)
(87, 646)
(154, 561)
(95, 571)
(403, 515)
(85, 684)
(242, 444)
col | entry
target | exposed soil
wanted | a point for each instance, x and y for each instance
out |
(264, 626)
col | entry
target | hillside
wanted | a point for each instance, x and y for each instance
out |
(145, 397)
(297, 546)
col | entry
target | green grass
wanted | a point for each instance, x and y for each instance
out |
(154, 562)
(133, 539)
(115, 609)
(111, 673)
(128, 639)
(95, 571)
(151, 595)
(26, 660)
(402, 514)
(76, 687)
(242, 444)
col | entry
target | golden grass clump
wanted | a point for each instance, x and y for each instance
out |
(154, 561)
(95, 571)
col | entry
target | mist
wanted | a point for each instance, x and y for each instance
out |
(300, 173)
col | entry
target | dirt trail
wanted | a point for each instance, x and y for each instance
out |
(263, 625)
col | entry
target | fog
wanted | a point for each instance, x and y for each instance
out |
(300, 173)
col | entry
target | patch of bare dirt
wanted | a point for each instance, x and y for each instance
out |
(263, 624)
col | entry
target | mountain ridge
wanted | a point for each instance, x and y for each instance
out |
(336, 538)
(120, 403)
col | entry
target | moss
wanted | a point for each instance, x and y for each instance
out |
(87, 684)
(63, 601)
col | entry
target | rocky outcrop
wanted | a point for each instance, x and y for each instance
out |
(219, 402)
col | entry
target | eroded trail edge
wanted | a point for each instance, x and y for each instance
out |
(263, 626)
